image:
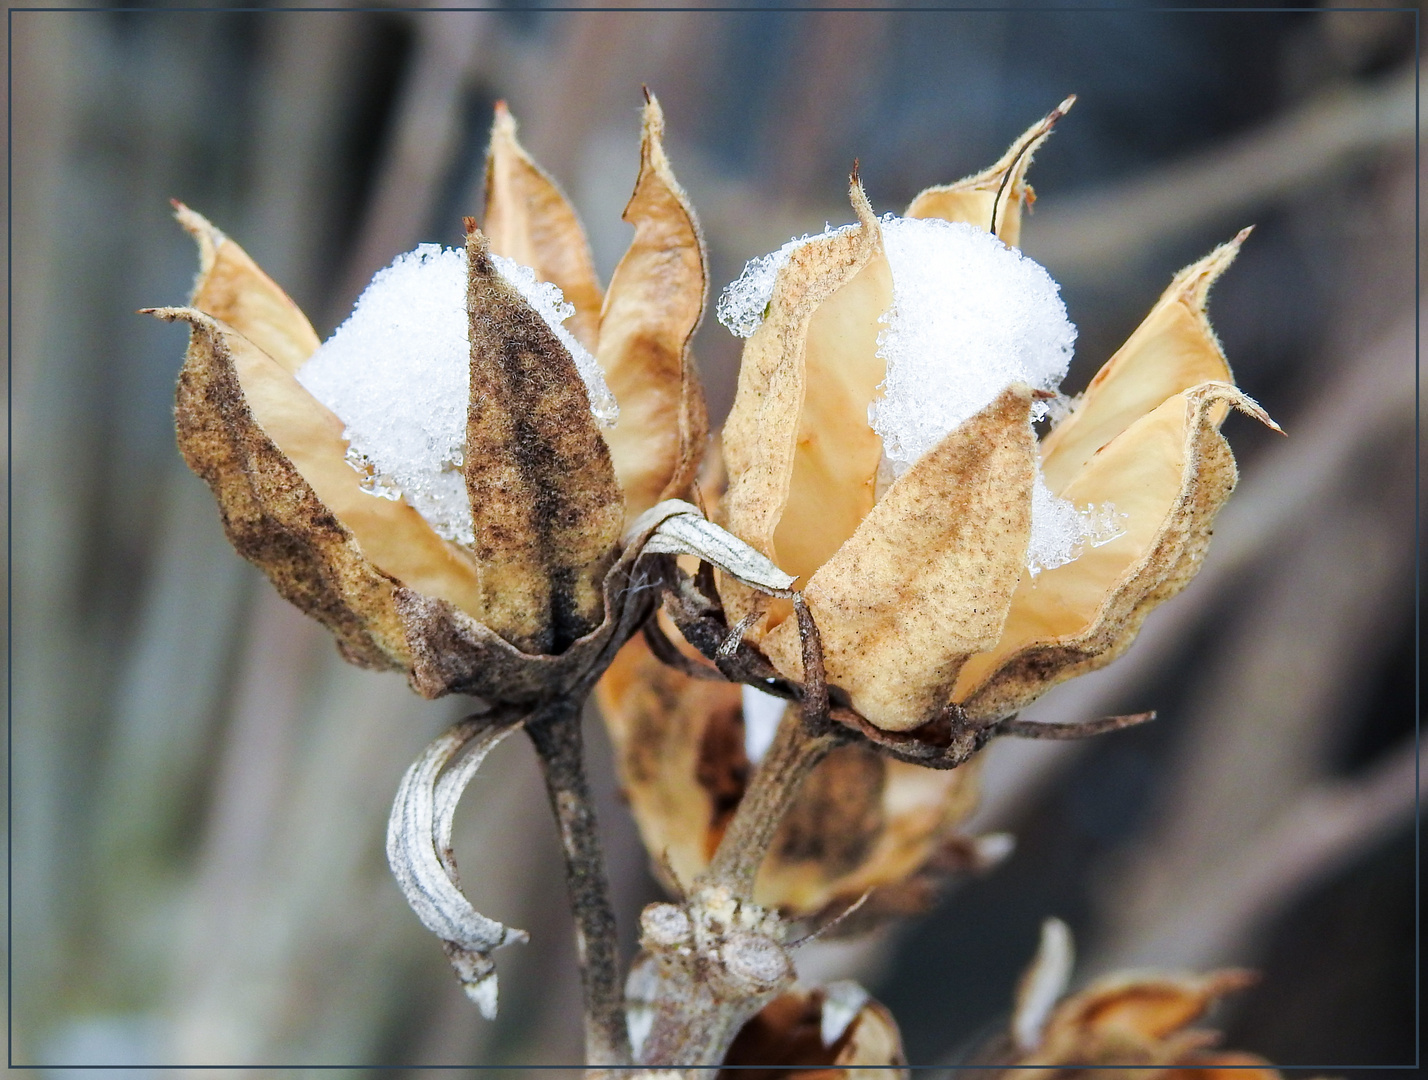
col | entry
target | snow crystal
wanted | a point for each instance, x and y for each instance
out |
(396, 373)
(744, 300)
(762, 713)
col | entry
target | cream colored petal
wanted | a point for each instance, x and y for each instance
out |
(232, 289)
(1168, 473)
(654, 304)
(530, 220)
(545, 507)
(872, 1049)
(309, 437)
(1172, 350)
(971, 200)
(927, 579)
(801, 456)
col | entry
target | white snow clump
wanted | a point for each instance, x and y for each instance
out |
(397, 374)
(970, 316)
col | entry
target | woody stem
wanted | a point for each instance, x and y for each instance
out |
(797, 748)
(555, 732)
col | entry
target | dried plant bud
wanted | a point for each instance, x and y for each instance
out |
(1132, 1022)
(832, 1032)
(957, 591)
(503, 568)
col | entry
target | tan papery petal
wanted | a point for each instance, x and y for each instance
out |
(232, 289)
(271, 511)
(1145, 1005)
(927, 578)
(546, 509)
(801, 455)
(1224, 1065)
(1173, 349)
(530, 220)
(971, 200)
(679, 749)
(654, 304)
(1168, 473)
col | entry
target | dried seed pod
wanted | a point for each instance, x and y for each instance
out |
(932, 600)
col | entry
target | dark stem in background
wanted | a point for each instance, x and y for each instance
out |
(555, 732)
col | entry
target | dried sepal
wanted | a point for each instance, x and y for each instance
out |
(546, 509)
(652, 308)
(1003, 187)
(529, 219)
(794, 353)
(271, 513)
(232, 289)
(832, 1032)
(927, 578)
(1173, 349)
(420, 854)
(1168, 473)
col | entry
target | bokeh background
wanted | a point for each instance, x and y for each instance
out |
(200, 785)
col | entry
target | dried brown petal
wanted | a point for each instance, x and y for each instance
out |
(1172, 350)
(971, 200)
(861, 821)
(1169, 473)
(1146, 1006)
(232, 289)
(927, 578)
(546, 509)
(654, 304)
(789, 1038)
(271, 512)
(797, 443)
(529, 219)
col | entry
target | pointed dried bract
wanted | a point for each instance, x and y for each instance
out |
(271, 512)
(927, 578)
(530, 220)
(1001, 190)
(653, 306)
(546, 508)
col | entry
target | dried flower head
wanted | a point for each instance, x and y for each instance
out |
(1127, 1024)
(881, 449)
(434, 483)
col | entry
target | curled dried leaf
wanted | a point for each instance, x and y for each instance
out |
(654, 304)
(420, 855)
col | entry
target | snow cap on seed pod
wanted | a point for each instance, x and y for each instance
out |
(881, 449)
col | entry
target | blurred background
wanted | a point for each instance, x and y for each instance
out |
(199, 785)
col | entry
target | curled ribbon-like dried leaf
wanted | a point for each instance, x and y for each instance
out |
(420, 855)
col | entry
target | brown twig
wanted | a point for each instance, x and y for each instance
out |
(555, 732)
